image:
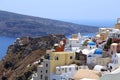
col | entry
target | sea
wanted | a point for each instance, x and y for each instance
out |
(4, 43)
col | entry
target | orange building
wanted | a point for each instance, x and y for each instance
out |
(60, 47)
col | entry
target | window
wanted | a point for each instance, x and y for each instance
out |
(76, 68)
(110, 67)
(46, 71)
(71, 57)
(46, 65)
(69, 69)
(66, 70)
(56, 58)
(41, 76)
(90, 47)
(62, 68)
(59, 69)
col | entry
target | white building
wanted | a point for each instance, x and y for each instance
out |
(66, 72)
(73, 43)
(98, 67)
(43, 71)
(115, 61)
(114, 33)
(92, 58)
(92, 53)
(116, 58)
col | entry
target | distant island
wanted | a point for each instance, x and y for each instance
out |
(17, 25)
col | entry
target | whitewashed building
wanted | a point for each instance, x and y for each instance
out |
(98, 67)
(115, 61)
(114, 33)
(43, 71)
(93, 58)
(92, 53)
(73, 43)
(66, 72)
(116, 58)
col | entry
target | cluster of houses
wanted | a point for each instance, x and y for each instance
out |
(83, 58)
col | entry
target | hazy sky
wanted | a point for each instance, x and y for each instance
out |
(65, 9)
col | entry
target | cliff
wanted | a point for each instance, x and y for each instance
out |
(18, 64)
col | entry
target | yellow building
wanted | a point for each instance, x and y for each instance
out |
(48, 66)
(104, 36)
(60, 59)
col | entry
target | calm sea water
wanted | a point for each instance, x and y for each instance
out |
(4, 43)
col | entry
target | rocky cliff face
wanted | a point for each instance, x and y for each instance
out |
(18, 62)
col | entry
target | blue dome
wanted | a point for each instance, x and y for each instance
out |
(91, 43)
(89, 56)
(98, 51)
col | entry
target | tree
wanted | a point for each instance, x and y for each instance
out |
(109, 41)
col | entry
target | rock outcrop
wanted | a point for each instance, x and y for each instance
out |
(18, 62)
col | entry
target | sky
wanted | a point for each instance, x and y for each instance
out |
(68, 10)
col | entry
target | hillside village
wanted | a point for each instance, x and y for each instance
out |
(83, 57)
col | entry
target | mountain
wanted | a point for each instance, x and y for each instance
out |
(17, 25)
